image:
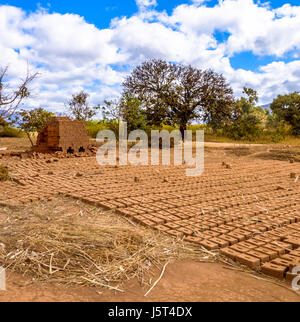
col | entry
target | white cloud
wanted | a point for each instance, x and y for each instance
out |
(250, 26)
(146, 3)
(72, 55)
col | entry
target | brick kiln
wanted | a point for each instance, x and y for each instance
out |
(62, 134)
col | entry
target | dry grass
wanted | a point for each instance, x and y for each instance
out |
(69, 242)
(15, 144)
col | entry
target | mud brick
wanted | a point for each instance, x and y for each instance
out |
(185, 231)
(158, 221)
(139, 218)
(267, 225)
(125, 212)
(281, 262)
(251, 229)
(263, 238)
(201, 235)
(281, 221)
(239, 248)
(220, 230)
(279, 250)
(262, 227)
(256, 242)
(138, 212)
(221, 243)
(229, 239)
(247, 234)
(293, 241)
(274, 270)
(293, 265)
(106, 205)
(172, 218)
(162, 228)
(271, 253)
(181, 216)
(248, 260)
(209, 245)
(117, 204)
(172, 225)
(247, 245)
(263, 257)
(272, 237)
(218, 221)
(237, 236)
(291, 219)
(285, 246)
(148, 222)
(192, 239)
(275, 236)
(175, 233)
(230, 253)
(236, 225)
(291, 257)
(210, 233)
(295, 252)
(290, 277)
(211, 224)
(227, 227)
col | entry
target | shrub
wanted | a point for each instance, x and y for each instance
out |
(94, 127)
(10, 132)
(3, 173)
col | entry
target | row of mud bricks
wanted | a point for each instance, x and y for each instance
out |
(276, 253)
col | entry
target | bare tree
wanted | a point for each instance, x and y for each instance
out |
(79, 107)
(11, 99)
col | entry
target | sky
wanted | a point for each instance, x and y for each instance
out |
(93, 45)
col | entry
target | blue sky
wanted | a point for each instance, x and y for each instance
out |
(93, 45)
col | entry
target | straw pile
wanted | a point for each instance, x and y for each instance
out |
(85, 247)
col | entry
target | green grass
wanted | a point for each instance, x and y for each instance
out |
(266, 139)
(10, 132)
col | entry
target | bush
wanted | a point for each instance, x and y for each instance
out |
(3, 173)
(10, 132)
(94, 127)
(243, 130)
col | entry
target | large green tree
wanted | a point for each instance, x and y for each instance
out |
(248, 118)
(287, 108)
(178, 94)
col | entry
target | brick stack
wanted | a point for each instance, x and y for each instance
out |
(62, 134)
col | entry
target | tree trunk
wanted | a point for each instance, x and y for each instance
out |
(182, 129)
(29, 138)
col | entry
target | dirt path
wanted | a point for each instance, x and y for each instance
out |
(182, 281)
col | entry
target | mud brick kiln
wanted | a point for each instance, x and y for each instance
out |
(62, 134)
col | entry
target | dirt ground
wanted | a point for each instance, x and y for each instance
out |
(244, 208)
(182, 282)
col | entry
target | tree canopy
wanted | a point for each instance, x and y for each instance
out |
(79, 108)
(248, 118)
(287, 108)
(178, 94)
(32, 120)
